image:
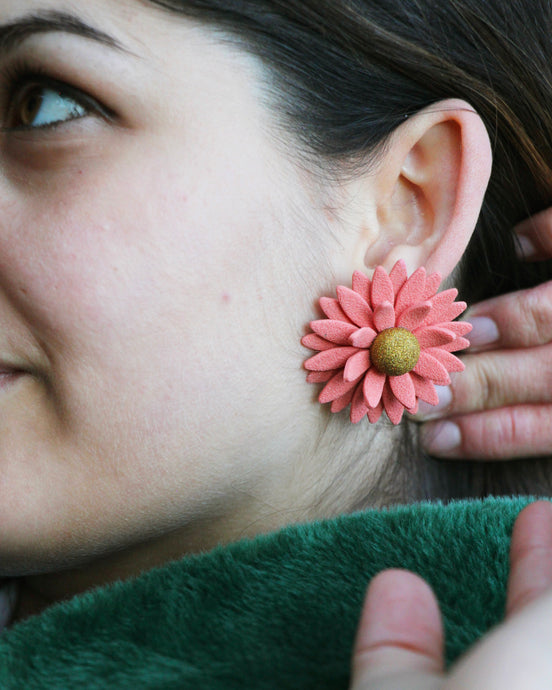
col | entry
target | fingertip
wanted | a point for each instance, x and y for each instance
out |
(530, 555)
(401, 626)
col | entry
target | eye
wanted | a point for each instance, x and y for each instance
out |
(44, 105)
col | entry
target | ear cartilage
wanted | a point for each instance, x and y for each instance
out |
(385, 343)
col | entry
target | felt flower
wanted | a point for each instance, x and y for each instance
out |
(385, 343)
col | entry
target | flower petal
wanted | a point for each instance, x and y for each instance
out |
(335, 388)
(330, 359)
(458, 327)
(335, 331)
(433, 336)
(342, 402)
(357, 365)
(450, 362)
(354, 306)
(373, 387)
(393, 407)
(413, 317)
(382, 288)
(331, 308)
(359, 408)
(320, 376)
(403, 389)
(412, 291)
(433, 280)
(384, 316)
(364, 337)
(432, 369)
(443, 305)
(398, 275)
(458, 344)
(374, 413)
(315, 342)
(361, 285)
(425, 389)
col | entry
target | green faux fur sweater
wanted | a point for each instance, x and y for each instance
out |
(276, 612)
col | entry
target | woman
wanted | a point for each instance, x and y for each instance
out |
(153, 402)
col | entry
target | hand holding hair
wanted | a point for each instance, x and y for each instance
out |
(400, 637)
(500, 407)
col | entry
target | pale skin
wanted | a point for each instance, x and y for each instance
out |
(498, 409)
(400, 639)
(160, 254)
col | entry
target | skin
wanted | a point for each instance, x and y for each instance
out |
(498, 409)
(143, 320)
(400, 638)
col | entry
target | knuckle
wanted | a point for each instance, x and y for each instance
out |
(535, 311)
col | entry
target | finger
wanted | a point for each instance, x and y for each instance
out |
(517, 319)
(505, 434)
(530, 556)
(493, 380)
(400, 635)
(535, 236)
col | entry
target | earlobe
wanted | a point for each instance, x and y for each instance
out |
(429, 189)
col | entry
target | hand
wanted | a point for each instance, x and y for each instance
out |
(400, 638)
(500, 407)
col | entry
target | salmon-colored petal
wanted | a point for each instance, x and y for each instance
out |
(330, 359)
(342, 402)
(450, 312)
(413, 410)
(384, 316)
(458, 344)
(354, 306)
(331, 308)
(425, 389)
(335, 331)
(359, 408)
(413, 317)
(441, 304)
(364, 337)
(412, 291)
(382, 288)
(398, 275)
(459, 328)
(374, 413)
(335, 388)
(433, 280)
(432, 369)
(320, 376)
(433, 336)
(403, 389)
(373, 387)
(361, 285)
(315, 342)
(393, 407)
(449, 361)
(357, 365)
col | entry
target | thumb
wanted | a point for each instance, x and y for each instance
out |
(400, 637)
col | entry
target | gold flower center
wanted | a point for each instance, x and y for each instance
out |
(395, 351)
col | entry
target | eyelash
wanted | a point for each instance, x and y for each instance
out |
(21, 74)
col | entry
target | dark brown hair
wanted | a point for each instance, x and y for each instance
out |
(345, 73)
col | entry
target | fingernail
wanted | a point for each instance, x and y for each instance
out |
(525, 247)
(484, 331)
(427, 411)
(441, 438)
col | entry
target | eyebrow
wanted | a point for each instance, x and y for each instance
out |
(14, 33)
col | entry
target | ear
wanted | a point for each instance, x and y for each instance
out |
(427, 192)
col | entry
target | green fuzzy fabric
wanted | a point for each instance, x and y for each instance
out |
(278, 611)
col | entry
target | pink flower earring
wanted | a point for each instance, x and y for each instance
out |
(386, 343)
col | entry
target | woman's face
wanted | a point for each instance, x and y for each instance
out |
(152, 242)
